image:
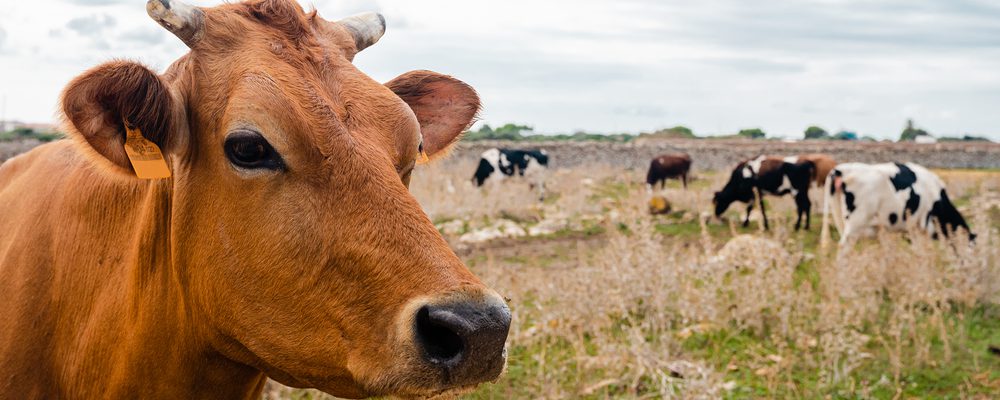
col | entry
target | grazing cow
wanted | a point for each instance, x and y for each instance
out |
(823, 162)
(283, 244)
(666, 166)
(498, 164)
(772, 175)
(862, 197)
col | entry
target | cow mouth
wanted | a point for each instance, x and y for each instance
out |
(444, 391)
(443, 386)
(443, 394)
(419, 379)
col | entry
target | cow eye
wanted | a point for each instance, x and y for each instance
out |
(248, 149)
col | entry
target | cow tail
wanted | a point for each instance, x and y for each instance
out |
(824, 235)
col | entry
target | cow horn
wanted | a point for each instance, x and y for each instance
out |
(367, 28)
(183, 20)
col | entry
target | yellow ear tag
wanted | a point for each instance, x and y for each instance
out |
(146, 158)
(422, 158)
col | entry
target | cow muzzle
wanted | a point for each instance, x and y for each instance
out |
(464, 339)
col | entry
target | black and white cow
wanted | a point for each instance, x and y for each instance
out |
(772, 175)
(498, 164)
(863, 197)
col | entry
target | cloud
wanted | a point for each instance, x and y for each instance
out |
(626, 65)
(834, 26)
(334, 9)
(144, 35)
(753, 65)
(91, 25)
(96, 2)
(641, 110)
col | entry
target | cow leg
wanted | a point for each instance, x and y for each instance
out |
(763, 211)
(803, 205)
(684, 180)
(746, 222)
(798, 214)
(853, 227)
(857, 223)
(808, 213)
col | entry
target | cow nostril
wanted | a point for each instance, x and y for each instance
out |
(464, 340)
(436, 333)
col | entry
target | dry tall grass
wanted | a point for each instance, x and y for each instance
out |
(684, 307)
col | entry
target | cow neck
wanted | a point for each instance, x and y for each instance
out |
(158, 351)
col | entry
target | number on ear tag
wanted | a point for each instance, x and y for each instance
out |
(145, 156)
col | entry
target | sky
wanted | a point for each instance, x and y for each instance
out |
(716, 66)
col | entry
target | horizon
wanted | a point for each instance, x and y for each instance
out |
(632, 66)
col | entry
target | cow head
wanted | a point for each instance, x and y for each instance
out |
(738, 188)
(297, 245)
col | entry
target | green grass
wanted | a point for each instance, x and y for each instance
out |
(691, 230)
(971, 370)
(739, 353)
(973, 331)
(541, 260)
(589, 230)
(614, 190)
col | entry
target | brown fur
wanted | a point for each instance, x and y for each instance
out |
(668, 166)
(286, 17)
(824, 164)
(770, 164)
(201, 285)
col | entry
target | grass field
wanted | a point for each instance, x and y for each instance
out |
(611, 302)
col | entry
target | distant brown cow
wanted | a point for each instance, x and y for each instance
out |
(284, 244)
(823, 162)
(668, 166)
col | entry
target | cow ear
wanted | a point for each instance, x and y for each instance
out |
(97, 104)
(444, 106)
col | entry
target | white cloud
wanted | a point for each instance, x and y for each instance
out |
(631, 65)
(92, 24)
(95, 2)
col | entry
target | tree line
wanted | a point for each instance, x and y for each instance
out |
(517, 132)
(28, 133)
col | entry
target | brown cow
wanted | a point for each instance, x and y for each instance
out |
(668, 166)
(285, 244)
(823, 162)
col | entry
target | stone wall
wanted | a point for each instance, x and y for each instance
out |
(724, 154)
(13, 148)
